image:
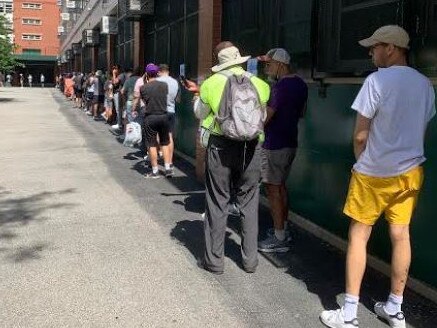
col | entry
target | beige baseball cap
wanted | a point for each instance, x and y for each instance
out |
(391, 34)
(279, 54)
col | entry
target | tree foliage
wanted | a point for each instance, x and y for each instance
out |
(7, 60)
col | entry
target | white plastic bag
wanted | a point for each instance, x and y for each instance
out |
(133, 135)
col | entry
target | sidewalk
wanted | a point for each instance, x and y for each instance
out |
(86, 241)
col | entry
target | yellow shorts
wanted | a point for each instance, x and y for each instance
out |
(396, 197)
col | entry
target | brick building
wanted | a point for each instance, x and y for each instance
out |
(36, 36)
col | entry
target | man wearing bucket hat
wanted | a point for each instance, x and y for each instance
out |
(230, 164)
(285, 107)
(393, 108)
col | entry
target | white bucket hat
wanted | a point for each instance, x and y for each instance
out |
(229, 57)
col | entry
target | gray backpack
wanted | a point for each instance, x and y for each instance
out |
(240, 115)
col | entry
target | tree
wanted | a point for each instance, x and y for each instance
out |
(7, 60)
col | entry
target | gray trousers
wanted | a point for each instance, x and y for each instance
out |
(118, 108)
(231, 166)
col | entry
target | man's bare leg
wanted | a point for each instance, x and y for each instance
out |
(153, 157)
(359, 234)
(401, 257)
(171, 148)
(275, 196)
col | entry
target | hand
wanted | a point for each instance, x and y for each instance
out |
(191, 86)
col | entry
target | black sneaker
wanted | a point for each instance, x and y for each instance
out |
(169, 173)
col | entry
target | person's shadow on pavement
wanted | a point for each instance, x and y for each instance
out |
(190, 234)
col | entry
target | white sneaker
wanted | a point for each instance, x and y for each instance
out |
(394, 320)
(115, 127)
(335, 319)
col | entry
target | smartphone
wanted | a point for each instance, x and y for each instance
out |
(183, 80)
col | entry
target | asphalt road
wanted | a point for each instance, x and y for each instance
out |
(86, 241)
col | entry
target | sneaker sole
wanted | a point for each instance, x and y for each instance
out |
(274, 250)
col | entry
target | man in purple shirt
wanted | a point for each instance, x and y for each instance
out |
(286, 106)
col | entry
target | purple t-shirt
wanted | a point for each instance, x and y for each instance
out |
(287, 99)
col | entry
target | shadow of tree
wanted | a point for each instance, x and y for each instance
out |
(19, 211)
(22, 210)
(26, 253)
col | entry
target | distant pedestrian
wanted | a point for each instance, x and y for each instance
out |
(21, 80)
(173, 97)
(118, 79)
(99, 94)
(29, 80)
(286, 106)
(393, 108)
(2, 79)
(154, 95)
(8, 80)
(128, 93)
(42, 80)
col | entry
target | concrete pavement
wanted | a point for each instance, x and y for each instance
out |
(86, 241)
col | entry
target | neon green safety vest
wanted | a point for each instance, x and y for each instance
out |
(211, 92)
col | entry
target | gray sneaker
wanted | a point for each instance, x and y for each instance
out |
(271, 232)
(335, 319)
(394, 320)
(273, 245)
(152, 175)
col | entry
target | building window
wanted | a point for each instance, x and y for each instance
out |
(31, 5)
(6, 7)
(31, 21)
(32, 51)
(341, 24)
(31, 37)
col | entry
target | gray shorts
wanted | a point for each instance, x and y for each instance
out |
(276, 165)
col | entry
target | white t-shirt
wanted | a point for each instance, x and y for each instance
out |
(400, 101)
(173, 90)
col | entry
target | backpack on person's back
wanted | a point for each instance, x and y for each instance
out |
(241, 115)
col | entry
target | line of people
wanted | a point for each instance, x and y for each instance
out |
(250, 131)
(147, 97)
(394, 107)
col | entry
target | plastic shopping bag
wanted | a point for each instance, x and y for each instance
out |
(133, 135)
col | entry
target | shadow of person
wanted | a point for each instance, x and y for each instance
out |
(190, 234)
(194, 203)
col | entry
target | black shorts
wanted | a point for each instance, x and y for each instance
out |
(78, 92)
(172, 122)
(157, 125)
(89, 96)
(100, 99)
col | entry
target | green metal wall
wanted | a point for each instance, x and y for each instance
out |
(171, 37)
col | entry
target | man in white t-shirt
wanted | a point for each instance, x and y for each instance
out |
(172, 98)
(393, 108)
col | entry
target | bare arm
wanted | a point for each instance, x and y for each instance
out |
(270, 113)
(361, 134)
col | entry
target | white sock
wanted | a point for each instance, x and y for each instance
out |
(393, 304)
(350, 307)
(167, 166)
(280, 234)
(155, 169)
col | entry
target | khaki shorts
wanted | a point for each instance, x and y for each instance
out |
(369, 197)
(276, 165)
